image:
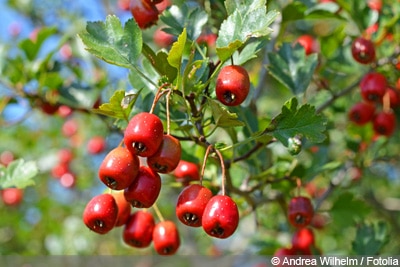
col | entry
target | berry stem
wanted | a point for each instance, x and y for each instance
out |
(386, 102)
(168, 114)
(204, 163)
(157, 97)
(158, 212)
(223, 175)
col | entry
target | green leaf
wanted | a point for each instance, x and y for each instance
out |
(302, 122)
(120, 105)
(247, 19)
(222, 117)
(292, 67)
(370, 238)
(159, 62)
(112, 43)
(32, 48)
(189, 17)
(175, 55)
(19, 173)
(347, 209)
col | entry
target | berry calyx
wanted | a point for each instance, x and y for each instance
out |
(191, 204)
(167, 156)
(233, 85)
(384, 123)
(373, 87)
(138, 231)
(363, 50)
(166, 238)
(119, 168)
(362, 113)
(100, 213)
(300, 211)
(144, 190)
(144, 134)
(220, 217)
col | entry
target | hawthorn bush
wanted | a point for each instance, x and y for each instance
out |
(284, 115)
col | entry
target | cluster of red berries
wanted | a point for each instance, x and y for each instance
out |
(378, 98)
(300, 216)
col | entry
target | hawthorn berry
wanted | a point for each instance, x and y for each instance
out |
(12, 196)
(191, 204)
(163, 39)
(394, 97)
(300, 211)
(309, 43)
(373, 87)
(96, 145)
(124, 208)
(303, 239)
(144, 13)
(144, 190)
(384, 123)
(166, 238)
(232, 85)
(186, 171)
(220, 217)
(167, 156)
(144, 134)
(138, 230)
(100, 213)
(119, 168)
(363, 50)
(362, 113)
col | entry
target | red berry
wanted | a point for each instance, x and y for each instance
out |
(163, 39)
(6, 157)
(186, 171)
(119, 168)
(167, 156)
(100, 213)
(384, 123)
(144, 134)
(303, 239)
(220, 217)
(363, 50)
(166, 239)
(394, 97)
(145, 14)
(65, 155)
(309, 43)
(124, 208)
(153, 2)
(375, 5)
(191, 204)
(123, 4)
(208, 39)
(233, 85)
(281, 252)
(138, 231)
(362, 113)
(68, 180)
(12, 196)
(373, 87)
(144, 190)
(70, 127)
(60, 169)
(48, 108)
(96, 145)
(300, 211)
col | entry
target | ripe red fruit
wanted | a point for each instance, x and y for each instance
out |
(100, 213)
(303, 240)
(48, 108)
(163, 39)
(60, 169)
(363, 50)
(373, 87)
(309, 43)
(144, 134)
(70, 127)
(375, 5)
(281, 252)
(138, 230)
(145, 14)
(220, 217)
(153, 2)
(166, 239)
(6, 157)
(186, 171)
(208, 39)
(191, 204)
(394, 97)
(144, 190)
(300, 211)
(12, 196)
(96, 145)
(167, 156)
(384, 123)
(65, 155)
(124, 208)
(119, 168)
(362, 113)
(123, 4)
(233, 85)
(68, 180)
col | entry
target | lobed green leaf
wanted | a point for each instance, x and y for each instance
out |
(19, 173)
(222, 117)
